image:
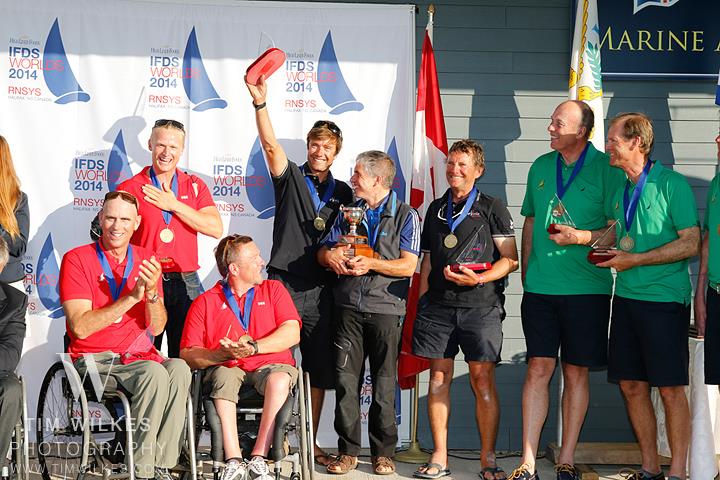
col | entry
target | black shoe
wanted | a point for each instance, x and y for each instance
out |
(565, 471)
(629, 474)
(523, 473)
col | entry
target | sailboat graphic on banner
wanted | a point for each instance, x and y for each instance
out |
(118, 169)
(399, 181)
(260, 192)
(58, 75)
(47, 276)
(335, 93)
(198, 87)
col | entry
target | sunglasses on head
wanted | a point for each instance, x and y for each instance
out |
(233, 240)
(171, 123)
(330, 126)
(128, 197)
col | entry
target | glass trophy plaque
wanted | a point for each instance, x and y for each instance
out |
(600, 250)
(559, 215)
(470, 257)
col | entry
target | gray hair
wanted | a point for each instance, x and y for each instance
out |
(378, 164)
(4, 253)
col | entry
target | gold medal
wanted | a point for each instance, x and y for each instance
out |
(319, 224)
(450, 241)
(166, 235)
(627, 243)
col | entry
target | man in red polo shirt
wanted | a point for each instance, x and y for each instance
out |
(111, 295)
(175, 207)
(241, 331)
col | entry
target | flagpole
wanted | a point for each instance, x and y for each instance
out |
(414, 454)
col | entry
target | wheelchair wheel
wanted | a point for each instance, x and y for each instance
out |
(59, 427)
(307, 442)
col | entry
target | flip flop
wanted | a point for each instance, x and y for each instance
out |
(494, 471)
(324, 459)
(441, 472)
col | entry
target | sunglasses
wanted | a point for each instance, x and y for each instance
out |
(128, 197)
(330, 126)
(233, 240)
(169, 123)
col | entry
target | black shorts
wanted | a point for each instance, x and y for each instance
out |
(314, 303)
(712, 338)
(575, 324)
(440, 331)
(649, 342)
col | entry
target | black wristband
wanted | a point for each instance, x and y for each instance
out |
(254, 344)
(258, 107)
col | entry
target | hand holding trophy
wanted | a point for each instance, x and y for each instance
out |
(358, 243)
(559, 216)
(471, 255)
(600, 252)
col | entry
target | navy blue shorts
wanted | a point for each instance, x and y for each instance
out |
(577, 325)
(649, 342)
(712, 338)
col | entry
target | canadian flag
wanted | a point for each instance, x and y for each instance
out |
(430, 151)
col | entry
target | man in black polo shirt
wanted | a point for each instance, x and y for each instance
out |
(463, 309)
(370, 297)
(307, 200)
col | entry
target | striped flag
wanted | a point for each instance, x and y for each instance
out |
(585, 71)
(429, 154)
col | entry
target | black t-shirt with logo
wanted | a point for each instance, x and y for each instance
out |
(488, 218)
(295, 238)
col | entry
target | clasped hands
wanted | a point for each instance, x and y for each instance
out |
(236, 349)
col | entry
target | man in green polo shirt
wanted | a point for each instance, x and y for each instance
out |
(657, 231)
(566, 300)
(707, 305)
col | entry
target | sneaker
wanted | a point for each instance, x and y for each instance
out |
(234, 470)
(629, 474)
(565, 471)
(258, 469)
(163, 474)
(523, 473)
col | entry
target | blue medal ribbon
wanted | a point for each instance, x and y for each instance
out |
(372, 225)
(452, 222)
(314, 195)
(115, 289)
(167, 216)
(244, 318)
(563, 187)
(630, 204)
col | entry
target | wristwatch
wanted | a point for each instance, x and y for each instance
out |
(153, 299)
(253, 344)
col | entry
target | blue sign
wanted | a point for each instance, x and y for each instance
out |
(659, 38)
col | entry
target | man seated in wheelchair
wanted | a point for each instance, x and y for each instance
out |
(13, 304)
(112, 297)
(242, 331)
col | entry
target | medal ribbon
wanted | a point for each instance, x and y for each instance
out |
(375, 227)
(167, 216)
(630, 204)
(115, 289)
(452, 222)
(563, 187)
(315, 196)
(233, 304)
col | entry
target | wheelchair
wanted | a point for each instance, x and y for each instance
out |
(294, 418)
(19, 465)
(82, 435)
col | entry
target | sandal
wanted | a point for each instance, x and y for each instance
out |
(496, 473)
(324, 459)
(342, 464)
(383, 465)
(422, 471)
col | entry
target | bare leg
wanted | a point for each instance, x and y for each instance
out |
(642, 417)
(487, 408)
(277, 389)
(535, 402)
(228, 421)
(441, 372)
(677, 413)
(575, 400)
(317, 396)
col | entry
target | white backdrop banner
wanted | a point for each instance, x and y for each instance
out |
(87, 79)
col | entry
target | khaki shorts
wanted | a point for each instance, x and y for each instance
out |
(225, 382)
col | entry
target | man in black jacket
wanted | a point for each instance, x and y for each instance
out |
(13, 304)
